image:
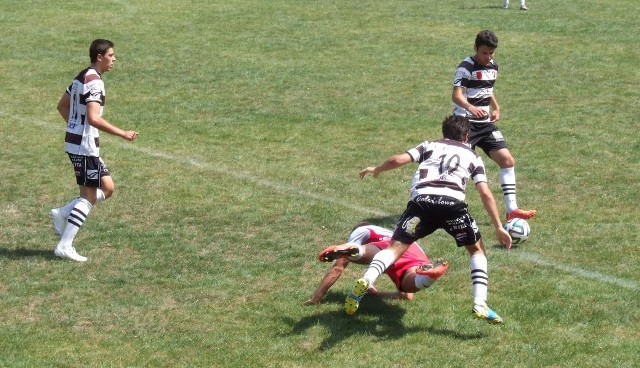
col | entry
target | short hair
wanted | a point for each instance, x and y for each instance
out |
(487, 38)
(99, 47)
(360, 224)
(455, 127)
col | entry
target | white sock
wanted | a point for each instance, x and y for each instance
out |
(479, 278)
(66, 209)
(522, 2)
(359, 255)
(508, 182)
(75, 221)
(424, 281)
(378, 265)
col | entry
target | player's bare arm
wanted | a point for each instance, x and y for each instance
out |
(64, 106)
(489, 204)
(328, 280)
(399, 295)
(459, 98)
(94, 118)
(391, 163)
(495, 109)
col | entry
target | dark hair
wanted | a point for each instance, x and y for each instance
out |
(487, 38)
(360, 224)
(455, 127)
(99, 47)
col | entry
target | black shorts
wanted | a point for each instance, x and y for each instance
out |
(426, 213)
(486, 136)
(88, 170)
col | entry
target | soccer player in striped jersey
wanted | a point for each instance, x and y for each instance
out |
(438, 202)
(473, 97)
(410, 274)
(81, 107)
(523, 5)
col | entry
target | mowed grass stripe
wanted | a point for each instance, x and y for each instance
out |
(292, 190)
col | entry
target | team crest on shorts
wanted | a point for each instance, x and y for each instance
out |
(497, 135)
(410, 225)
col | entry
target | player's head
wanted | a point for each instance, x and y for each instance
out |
(487, 38)
(456, 128)
(99, 47)
(486, 44)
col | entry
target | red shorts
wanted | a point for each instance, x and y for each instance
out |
(414, 256)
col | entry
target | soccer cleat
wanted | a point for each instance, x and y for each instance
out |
(522, 214)
(336, 251)
(59, 222)
(69, 253)
(524, 7)
(352, 302)
(486, 313)
(433, 270)
(505, 5)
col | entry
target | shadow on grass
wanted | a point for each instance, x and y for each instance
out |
(388, 222)
(375, 317)
(24, 253)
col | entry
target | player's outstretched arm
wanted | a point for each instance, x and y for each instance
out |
(328, 280)
(391, 163)
(399, 295)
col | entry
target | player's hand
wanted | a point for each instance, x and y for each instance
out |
(373, 291)
(130, 135)
(311, 301)
(368, 170)
(503, 237)
(495, 116)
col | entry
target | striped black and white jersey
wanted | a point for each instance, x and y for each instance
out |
(82, 138)
(445, 167)
(478, 81)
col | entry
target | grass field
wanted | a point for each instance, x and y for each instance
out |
(254, 119)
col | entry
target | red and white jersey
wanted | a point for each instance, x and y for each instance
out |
(478, 81)
(445, 168)
(381, 238)
(414, 256)
(81, 137)
(368, 234)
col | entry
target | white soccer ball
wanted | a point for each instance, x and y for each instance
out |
(519, 230)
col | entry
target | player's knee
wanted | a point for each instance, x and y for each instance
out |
(108, 192)
(509, 162)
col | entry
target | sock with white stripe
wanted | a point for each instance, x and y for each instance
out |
(378, 265)
(76, 219)
(479, 278)
(66, 209)
(508, 182)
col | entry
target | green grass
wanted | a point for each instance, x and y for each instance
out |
(254, 119)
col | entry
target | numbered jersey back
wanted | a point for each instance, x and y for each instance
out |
(445, 168)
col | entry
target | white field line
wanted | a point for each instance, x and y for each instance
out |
(292, 190)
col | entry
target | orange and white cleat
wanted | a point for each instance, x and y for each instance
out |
(434, 270)
(336, 251)
(522, 214)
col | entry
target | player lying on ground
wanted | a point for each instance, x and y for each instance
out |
(411, 273)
